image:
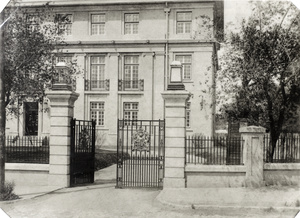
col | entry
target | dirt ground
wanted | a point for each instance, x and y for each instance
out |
(103, 200)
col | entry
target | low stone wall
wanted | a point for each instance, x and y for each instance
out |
(27, 174)
(213, 176)
(282, 173)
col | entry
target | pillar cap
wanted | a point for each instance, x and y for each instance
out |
(175, 94)
(252, 129)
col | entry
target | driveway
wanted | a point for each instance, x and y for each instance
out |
(102, 199)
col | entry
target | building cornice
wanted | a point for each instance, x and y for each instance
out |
(33, 3)
(136, 42)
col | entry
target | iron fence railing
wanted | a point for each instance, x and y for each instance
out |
(214, 150)
(82, 156)
(131, 85)
(140, 153)
(91, 85)
(27, 149)
(287, 149)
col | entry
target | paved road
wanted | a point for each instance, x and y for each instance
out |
(103, 200)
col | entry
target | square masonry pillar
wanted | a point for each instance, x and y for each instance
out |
(61, 113)
(175, 106)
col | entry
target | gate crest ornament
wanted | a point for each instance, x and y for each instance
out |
(140, 140)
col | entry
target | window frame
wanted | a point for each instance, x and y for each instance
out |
(98, 74)
(131, 110)
(65, 33)
(100, 22)
(183, 22)
(59, 56)
(131, 22)
(134, 83)
(33, 24)
(185, 64)
(98, 110)
(31, 109)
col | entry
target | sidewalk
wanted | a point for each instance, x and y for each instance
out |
(104, 176)
(27, 192)
(276, 197)
(259, 198)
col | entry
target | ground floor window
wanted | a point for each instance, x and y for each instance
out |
(188, 114)
(31, 118)
(131, 110)
(97, 112)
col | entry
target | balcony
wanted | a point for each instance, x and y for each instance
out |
(95, 85)
(131, 85)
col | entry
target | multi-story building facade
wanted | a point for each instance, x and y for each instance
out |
(125, 48)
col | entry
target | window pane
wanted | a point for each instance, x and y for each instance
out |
(187, 71)
(135, 106)
(135, 28)
(184, 16)
(128, 28)
(97, 112)
(97, 29)
(179, 27)
(187, 28)
(98, 18)
(131, 17)
(98, 60)
(179, 58)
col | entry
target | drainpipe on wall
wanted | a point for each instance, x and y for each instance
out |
(153, 73)
(166, 74)
(167, 12)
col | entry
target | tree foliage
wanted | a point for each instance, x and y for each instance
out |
(31, 39)
(260, 70)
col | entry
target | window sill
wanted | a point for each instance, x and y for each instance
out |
(131, 92)
(102, 128)
(97, 92)
(188, 81)
(189, 130)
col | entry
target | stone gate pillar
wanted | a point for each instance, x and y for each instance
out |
(175, 131)
(62, 100)
(253, 155)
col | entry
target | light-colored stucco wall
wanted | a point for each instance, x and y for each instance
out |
(156, 48)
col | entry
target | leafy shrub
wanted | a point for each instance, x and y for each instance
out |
(8, 192)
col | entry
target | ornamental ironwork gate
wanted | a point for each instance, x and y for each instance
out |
(141, 153)
(82, 158)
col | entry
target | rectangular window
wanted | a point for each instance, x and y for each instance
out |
(97, 112)
(188, 114)
(131, 72)
(186, 61)
(32, 21)
(64, 23)
(131, 24)
(184, 22)
(97, 24)
(97, 72)
(31, 118)
(66, 59)
(131, 112)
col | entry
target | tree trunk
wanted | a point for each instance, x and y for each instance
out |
(272, 144)
(2, 109)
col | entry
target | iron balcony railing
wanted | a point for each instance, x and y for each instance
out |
(131, 85)
(214, 150)
(27, 149)
(91, 85)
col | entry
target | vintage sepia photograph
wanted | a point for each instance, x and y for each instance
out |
(149, 108)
